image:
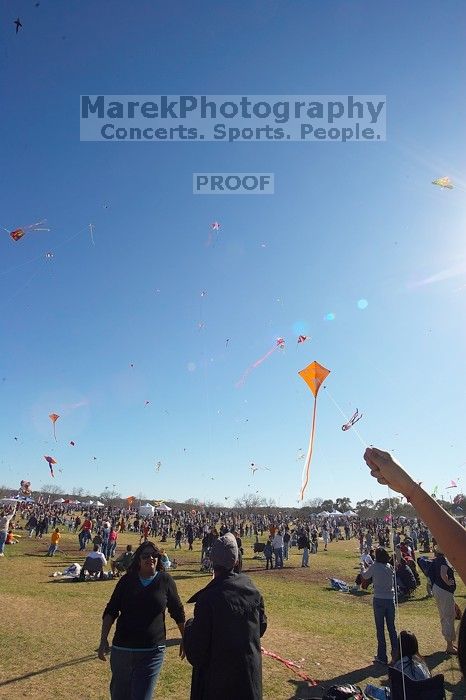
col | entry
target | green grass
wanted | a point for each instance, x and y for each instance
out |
(50, 630)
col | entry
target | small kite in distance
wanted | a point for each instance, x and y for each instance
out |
(18, 233)
(354, 419)
(157, 466)
(444, 182)
(54, 417)
(453, 485)
(51, 461)
(279, 344)
(18, 24)
(302, 339)
(215, 226)
(72, 443)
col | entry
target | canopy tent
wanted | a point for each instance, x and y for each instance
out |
(17, 499)
(163, 508)
(350, 513)
(8, 500)
(59, 500)
(98, 503)
(146, 510)
(324, 513)
(335, 513)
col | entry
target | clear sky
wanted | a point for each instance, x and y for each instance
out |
(97, 330)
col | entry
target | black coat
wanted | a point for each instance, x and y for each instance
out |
(222, 641)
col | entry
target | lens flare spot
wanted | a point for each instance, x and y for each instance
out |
(329, 317)
(363, 304)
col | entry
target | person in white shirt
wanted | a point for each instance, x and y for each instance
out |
(277, 545)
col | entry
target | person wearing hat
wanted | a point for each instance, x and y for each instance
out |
(138, 603)
(222, 640)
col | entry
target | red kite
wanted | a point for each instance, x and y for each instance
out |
(314, 375)
(18, 233)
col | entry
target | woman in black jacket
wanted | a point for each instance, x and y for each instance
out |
(138, 603)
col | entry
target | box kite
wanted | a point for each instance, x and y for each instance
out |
(314, 375)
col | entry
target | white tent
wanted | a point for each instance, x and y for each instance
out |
(146, 510)
(324, 513)
(98, 503)
(59, 500)
(163, 508)
(8, 500)
(349, 513)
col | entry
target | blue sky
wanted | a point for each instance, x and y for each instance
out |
(347, 222)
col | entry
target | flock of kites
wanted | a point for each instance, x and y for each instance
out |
(314, 374)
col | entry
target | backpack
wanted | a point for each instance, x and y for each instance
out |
(338, 585)
(344, 692)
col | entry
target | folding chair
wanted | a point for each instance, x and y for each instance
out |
(429, 689)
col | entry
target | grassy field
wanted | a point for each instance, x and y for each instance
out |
(50, 629)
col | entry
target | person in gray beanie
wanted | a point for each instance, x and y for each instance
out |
(222, 640)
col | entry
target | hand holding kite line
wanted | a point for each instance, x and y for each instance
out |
(354, 419)
(449, 533)
(314, 375)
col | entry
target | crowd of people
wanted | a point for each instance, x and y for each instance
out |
(389, 553)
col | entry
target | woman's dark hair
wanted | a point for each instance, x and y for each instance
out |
(136, 561)
(407, 645)
(382, 556)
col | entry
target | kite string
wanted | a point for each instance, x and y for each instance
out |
(397, 606)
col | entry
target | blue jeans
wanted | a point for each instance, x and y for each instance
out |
(3, 535)
(285, 550)
(384, 612)
(135, 673)
(278, 558)
(52, 549)
(305, 560)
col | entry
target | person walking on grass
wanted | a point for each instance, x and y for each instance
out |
(54, 540)
(138, 604)
(4, 527)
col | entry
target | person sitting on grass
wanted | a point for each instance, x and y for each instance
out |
(94, 564)
(10, 538)
(121, 564)
(407, 658)
(54, 540)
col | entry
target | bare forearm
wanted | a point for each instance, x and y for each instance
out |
(107, 623)
(449, 533)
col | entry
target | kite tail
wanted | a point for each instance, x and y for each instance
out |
(305, 475)
(290, 665)
(54, 434)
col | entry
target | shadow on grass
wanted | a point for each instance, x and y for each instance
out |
(458, 690)
(65, 664)
(305, 691)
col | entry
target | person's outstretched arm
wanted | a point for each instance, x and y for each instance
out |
(449, 533)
